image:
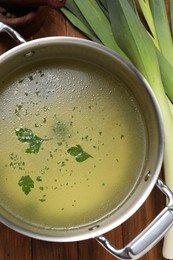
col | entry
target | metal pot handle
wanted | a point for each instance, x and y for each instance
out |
(150, 236)
(15, 35)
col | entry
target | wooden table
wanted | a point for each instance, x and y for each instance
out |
(14, 246)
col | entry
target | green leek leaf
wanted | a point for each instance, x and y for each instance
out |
(100, 24)
(72, 7)
(166, 70)
(146, 10)
(103, 3)
(162, 28)
(133, 5)
(103, 6)
(171, 14)
(133, 39)
(80, 25)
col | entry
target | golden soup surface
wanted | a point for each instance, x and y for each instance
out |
(68, 104)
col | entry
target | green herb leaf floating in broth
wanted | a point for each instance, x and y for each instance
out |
(79, 153)
(26, 135)
(26, 183)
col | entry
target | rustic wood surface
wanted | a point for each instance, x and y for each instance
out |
(14, 246)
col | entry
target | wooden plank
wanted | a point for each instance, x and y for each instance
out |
(13, 245)
(54, 25)
(6, 43)
(42, 250)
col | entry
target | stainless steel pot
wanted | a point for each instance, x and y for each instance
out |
(88, 51)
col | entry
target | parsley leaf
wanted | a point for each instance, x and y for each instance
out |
(79, 153)
(26, 183)
(26, 135)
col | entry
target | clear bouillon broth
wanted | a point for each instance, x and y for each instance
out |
(92, 143)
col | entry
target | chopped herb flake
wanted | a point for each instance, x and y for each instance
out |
(39, 178)
(42, 200)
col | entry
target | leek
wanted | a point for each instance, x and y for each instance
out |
(117, 25)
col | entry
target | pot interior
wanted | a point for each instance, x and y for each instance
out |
(77, 130)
